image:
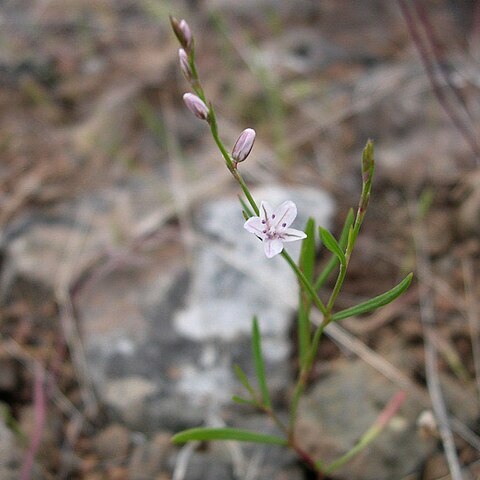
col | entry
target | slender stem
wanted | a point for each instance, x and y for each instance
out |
(338, 286)
(315, 466)
(244, 187)
(212, 120)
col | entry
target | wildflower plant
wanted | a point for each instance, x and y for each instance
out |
(272, 227)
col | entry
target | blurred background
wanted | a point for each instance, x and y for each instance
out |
(128, 283)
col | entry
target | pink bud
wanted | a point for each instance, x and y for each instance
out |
(196, 106)
(187, 33)
(243, 146)
(185, 64)
(182, 32)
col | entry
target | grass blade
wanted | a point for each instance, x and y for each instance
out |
(307, 254)
(375, 302)
(205, 434)
(329, 241)
(246, 208)
(244, 401)
(244, 380)
(259, 364)
(326, 272)
(307, 265)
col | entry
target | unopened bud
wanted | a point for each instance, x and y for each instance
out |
(182, 32)
(368, 162)
(196, 106)
(185, 64)
(243, 146)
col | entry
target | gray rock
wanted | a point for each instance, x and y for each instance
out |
(112, 443)
(132, 351)
(49, 248)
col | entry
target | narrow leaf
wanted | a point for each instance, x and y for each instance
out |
(307, 253)
(226, 434)
(346, 228)
(246, 208)
(304, 329)
(322, 278)
(329, 241)
(375, 302)
(307, 265)
(259, 364)
(243, 401)
(244, 380)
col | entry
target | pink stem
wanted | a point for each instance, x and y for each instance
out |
(391, 408)
(39, 401)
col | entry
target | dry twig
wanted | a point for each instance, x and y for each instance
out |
(427, 316)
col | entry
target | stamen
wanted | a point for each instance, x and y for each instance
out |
(284, 225)
(264, 222)
(273, 216)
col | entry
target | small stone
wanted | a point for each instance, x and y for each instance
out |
(129, 395)
(112, 443)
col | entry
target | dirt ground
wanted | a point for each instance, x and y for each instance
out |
(90, 94)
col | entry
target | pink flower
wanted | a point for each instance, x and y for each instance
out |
(272, 227)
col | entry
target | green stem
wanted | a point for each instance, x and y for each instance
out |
(232, 167)
(245, 190)
(212, 120)
(336, 289)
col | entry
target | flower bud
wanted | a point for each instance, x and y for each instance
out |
(185, 64)
(196, 106)
(182, 32)
(243, 146)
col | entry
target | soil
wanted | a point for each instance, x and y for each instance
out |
(79, 83)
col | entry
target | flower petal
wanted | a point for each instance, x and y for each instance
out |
(266, 211)
(272, 247)
(291, 234)
(284, 215)
(255, 225)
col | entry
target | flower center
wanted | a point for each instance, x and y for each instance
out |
(270, 232)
